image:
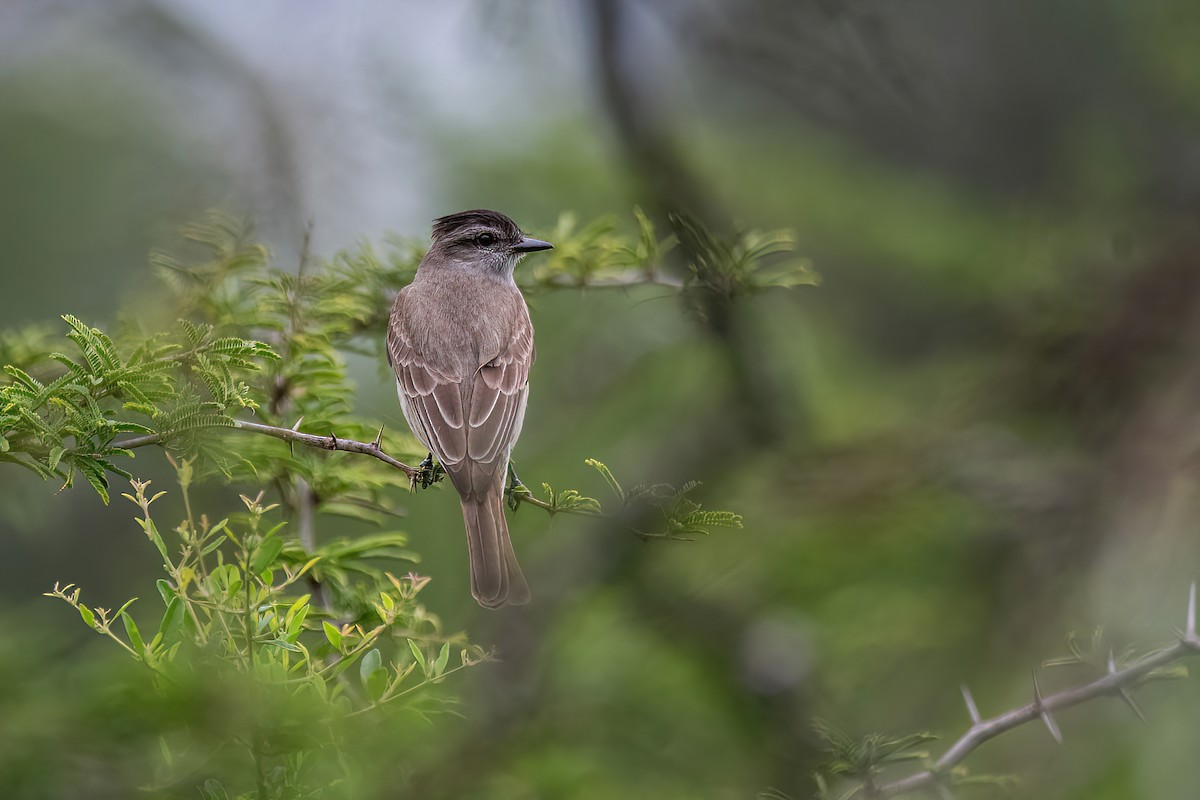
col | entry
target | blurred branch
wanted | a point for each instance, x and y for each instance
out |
(1117, 682)
(626, 280)
(666, 178)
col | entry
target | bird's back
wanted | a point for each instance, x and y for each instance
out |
(443, 317)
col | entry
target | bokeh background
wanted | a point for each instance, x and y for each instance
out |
(978, 434)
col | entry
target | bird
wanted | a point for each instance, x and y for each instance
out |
(460, 341)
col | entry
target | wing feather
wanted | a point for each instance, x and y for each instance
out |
(498, 397)
(477, 419)
(430, 398)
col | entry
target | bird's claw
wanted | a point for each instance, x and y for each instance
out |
(514, 489)
(428, 473)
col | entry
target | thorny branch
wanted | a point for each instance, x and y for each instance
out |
(330, 442)
(1116, 683)
(375, 450)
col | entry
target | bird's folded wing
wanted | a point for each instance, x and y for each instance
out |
(433, 402)
(496, 406)
(430, 398)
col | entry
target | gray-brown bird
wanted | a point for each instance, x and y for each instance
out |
(461, 343)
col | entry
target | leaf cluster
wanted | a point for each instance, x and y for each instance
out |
(237, 606)
(863, 759)
(746, 262)
(238, 343)
(679, 516)
(66, 422)
(256, 338)
(599, 254)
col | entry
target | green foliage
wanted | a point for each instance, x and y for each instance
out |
(240, 611)
(253, 337)
(66, 422)
(863, 759)
(681, 517)
(1099, 655)
(311, 632)
(598, 255)
(749, 261)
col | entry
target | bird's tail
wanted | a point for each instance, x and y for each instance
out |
(496, 578)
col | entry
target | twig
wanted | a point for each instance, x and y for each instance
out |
(621, 280)
(330, 442)
(375, 450)
(1116, 683)
(526, 497)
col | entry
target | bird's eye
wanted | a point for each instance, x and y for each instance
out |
(485, 240)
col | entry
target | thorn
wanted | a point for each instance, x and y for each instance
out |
(1128, 698)
(296, 427)
(378, 438)
(1190, 630)
(333, 440)
(1052, 726)
(1044, 712)
(1121, 690)
(972, 709)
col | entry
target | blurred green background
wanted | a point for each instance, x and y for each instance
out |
(977, 435)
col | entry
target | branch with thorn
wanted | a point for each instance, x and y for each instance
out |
(294, 436)
(693, 520)
(1116, 682)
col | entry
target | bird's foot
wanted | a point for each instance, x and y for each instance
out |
(514, 489)
(428, 473)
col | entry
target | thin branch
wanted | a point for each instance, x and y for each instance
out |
(372, 449)
(621, 280)
(330, 442)
(1116, 683)
(551, 509)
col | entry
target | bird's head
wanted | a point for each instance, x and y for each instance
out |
(482, 240)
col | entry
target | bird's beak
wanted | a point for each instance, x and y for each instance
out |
(528, 245)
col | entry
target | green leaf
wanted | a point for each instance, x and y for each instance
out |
(296, 625)
(372, 674)
(94, 472)
(419, 656)
(439, 665)
(87, 615)
(370, 662)
(600, 467)
(265, 554)
(377, 683)
(333, 635)
(300, 603)
(172, 622)
(135, 637)
(165, 591)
